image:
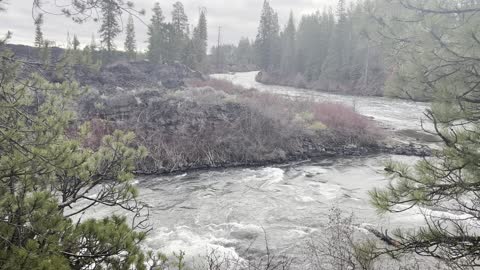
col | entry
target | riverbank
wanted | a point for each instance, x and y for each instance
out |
(372, 90)
(408, 150)
(211, 124)
(188, 122)
(323, 85)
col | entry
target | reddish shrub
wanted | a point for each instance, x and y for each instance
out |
(343, 121)
(340, 117)
(98, 129)
(346, 122)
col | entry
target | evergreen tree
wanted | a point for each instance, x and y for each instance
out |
(179, 19)
(110, 27)
(38, 31)
(287, 65)
(93, 43)
(200, 37)
(275, 43)
(333, 52)
(75, 43)
(45, 53)
(266, 37)
(170, 47)
(156, 36)
(244, 53)
(130, 42)
(188, 55)
(339, 53)
(69, 41)
(311, 47)
(440, 63)
(181, 30)
(46, 175)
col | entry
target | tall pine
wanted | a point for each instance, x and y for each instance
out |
(110, 27)
(288, 47)
(38, 31)
(200, 37)
(156, 35)
(266, 37)
(75, 43)
(180, 29)
(130, 42)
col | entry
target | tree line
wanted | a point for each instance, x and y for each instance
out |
(168, 42)
(329, 50)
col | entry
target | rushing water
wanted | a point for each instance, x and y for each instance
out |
(229, 210)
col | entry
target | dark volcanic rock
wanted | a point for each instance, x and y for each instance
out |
(120, 75)
(138, 75)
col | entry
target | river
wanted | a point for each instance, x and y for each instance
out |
(229, 210)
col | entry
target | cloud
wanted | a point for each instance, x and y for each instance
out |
(237, 18)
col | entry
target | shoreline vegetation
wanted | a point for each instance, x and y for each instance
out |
(214, 124)
(190, 122)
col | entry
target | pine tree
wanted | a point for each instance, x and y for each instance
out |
(275, 43)
(445, 188)
(38, 31)
(45, 53)
(156, 36)
(200, 37)
(75, 43)
(93, 43)
(110, 27)
(180, 29)
(244, 53)
(266, 37)
(130, 42)
(179, 19)
(170, 49)
(46, 172)
(288, 65)
(341, 41)
(188, 55)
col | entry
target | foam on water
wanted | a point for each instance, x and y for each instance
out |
(195, 244)
(417, 215)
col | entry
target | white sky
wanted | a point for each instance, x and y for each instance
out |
(238, 18)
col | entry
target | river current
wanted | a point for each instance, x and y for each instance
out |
(231, 210)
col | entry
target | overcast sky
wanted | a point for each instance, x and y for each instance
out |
(238, 18)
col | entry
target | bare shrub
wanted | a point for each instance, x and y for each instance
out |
(336, 249)
(98, 130)
(219, 124)
(344, 245)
